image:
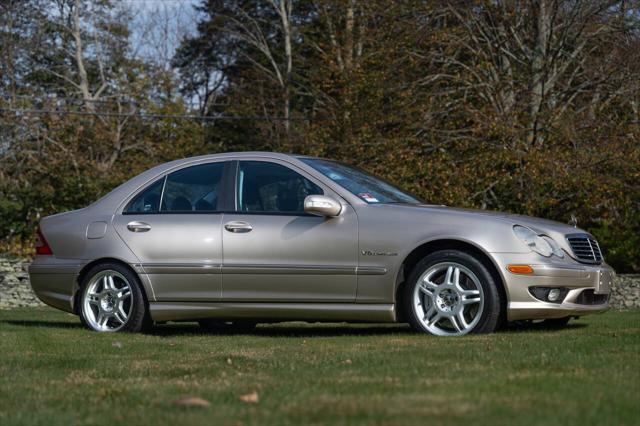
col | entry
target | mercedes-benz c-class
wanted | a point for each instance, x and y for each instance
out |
(235, 239)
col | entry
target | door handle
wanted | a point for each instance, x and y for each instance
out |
(238, 227)
(138, 227)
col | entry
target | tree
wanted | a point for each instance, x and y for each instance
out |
(528, 106)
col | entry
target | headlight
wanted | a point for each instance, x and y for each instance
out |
(557, 250)
(534, 241)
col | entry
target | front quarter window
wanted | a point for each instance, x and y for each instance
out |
(361, 184)
(270, 188)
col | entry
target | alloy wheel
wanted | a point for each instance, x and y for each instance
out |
(107, 301)
(448, 299)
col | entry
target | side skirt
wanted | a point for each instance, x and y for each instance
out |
(184, 311)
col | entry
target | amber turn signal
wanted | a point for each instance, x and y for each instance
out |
(520, 269)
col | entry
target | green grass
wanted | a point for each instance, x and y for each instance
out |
(52, 371)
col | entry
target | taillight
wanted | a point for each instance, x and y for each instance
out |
(42, 246)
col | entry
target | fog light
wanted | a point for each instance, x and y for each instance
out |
(549, 294)
(553, 295)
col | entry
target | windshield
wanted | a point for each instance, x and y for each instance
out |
(361, 184)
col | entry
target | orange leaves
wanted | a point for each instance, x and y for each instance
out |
(191, 401)
(250, 398)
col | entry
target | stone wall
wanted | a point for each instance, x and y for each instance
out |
(15, 290)
(625, 292)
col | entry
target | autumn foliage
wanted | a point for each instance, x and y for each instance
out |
(530, 107)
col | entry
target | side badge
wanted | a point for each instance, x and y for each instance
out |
(377, 253)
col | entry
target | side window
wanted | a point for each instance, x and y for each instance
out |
(148, 201)
(195, 188)
(271, 188)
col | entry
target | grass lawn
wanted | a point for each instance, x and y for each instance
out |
(52, 371)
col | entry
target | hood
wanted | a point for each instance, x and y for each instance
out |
(537, 224)
(510, 217)
(556, 230)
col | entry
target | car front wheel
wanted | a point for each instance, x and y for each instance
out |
(112, 300)
(451, 293)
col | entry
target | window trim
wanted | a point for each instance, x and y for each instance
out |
(164, 185)
(226, 163)
(175, 212)
(287, 165)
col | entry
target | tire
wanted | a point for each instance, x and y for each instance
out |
(218, 326)
(112, 299)
(450, 287)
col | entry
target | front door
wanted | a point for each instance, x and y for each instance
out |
(174, 227)
(274, 251)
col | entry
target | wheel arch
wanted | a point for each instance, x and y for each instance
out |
(426, 248)
(85, 270)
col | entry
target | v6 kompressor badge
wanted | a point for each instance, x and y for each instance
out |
(377, 253)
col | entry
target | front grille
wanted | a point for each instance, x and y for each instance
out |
(585, 248)
(588, 297)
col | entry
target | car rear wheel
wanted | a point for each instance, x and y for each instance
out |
(112, 300)
(451, 293)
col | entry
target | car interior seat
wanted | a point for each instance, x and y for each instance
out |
(181, 203)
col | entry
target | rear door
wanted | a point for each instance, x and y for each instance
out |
(274, 251)
(174, 228)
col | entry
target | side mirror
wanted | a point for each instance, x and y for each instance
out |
(320, 205)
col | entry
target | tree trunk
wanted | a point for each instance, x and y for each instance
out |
(538, 66)
(348, 37)
(285, 16)
(83, 84)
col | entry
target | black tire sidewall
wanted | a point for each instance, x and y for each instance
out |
(138, 318)
(489, 319)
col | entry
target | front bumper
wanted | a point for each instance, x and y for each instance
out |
(588, 286)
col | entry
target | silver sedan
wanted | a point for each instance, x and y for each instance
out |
(234, 239)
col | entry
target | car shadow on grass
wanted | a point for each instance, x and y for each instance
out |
(294, 329)
(38, 323)
(539, 326)
(297, 330)
(332, 331)
(267, 330)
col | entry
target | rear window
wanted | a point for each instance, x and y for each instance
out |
(148, 201)
(195, 188)
(192, 189)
